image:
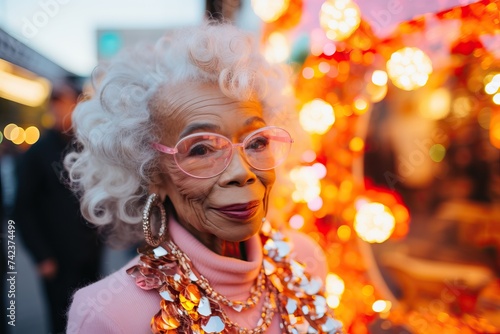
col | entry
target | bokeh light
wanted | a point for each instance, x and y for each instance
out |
(356, 144)
(307, 184)
(375, 92)
(376, 88)
(308, 73)
(339, 18)
(315, 204)
(380, 306)
(344, 233)
(329, 49)
(324, 67)
(296, 222)
(319, 170)
(461, 106)
(7, 130)
(409, 68)
(437, 152)
(48, 120)
(334, 287)
(277, 49)
(379, 77)
(317, 116)
(437, 105)
(496, 99)
(492, 86)
(32, 135)
(484, 118)
(18, 135)
(360, 106)
(374, 222)
(269, 10)
(367, 290)
(309, 156)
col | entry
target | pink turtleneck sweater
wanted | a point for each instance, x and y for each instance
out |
(116, 305)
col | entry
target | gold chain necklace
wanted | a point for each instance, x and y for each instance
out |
(215, 326)
(255, 291)
(190, 305)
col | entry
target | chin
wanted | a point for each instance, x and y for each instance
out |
(237, 230)
(242, 233)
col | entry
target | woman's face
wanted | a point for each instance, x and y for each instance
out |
(231, 205)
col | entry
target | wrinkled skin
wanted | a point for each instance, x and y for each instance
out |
(196, 200)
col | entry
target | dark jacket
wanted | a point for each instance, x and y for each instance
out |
(46, 211)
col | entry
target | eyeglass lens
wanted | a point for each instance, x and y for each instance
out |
(206, 155)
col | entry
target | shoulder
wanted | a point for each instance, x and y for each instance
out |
(308, 252)
(113, 305)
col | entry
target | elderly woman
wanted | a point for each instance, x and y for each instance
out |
(179, 141)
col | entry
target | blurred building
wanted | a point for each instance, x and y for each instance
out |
(26, 80)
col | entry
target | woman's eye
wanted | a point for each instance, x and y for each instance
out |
(200, 149)
(257, 144)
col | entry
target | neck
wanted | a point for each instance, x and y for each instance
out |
(222, 247)
(233, 249)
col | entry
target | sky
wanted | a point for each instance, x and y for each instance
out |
(65, 30)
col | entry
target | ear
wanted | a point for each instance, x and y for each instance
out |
(159, 187)
(159, 190)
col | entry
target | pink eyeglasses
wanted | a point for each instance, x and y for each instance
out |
(204, 155)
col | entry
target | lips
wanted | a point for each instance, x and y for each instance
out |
(240, 211)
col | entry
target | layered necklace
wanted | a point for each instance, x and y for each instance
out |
(190, 305)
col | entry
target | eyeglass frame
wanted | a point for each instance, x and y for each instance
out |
(173, 150)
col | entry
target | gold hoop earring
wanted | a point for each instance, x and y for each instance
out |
(154, 241)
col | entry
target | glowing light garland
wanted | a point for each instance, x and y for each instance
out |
(337, 85)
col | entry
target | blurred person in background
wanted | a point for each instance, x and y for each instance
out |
(66, 251)
(8, 154)
(184, 135)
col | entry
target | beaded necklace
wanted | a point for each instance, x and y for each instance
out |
(190, 305)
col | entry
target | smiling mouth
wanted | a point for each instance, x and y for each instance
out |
(240, 211)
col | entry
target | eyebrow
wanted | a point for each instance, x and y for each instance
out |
(255, 119)
(213, 127)
(197, 127)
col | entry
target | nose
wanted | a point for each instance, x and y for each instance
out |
(238, 172)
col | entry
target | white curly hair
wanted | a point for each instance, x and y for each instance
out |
(115, 125)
